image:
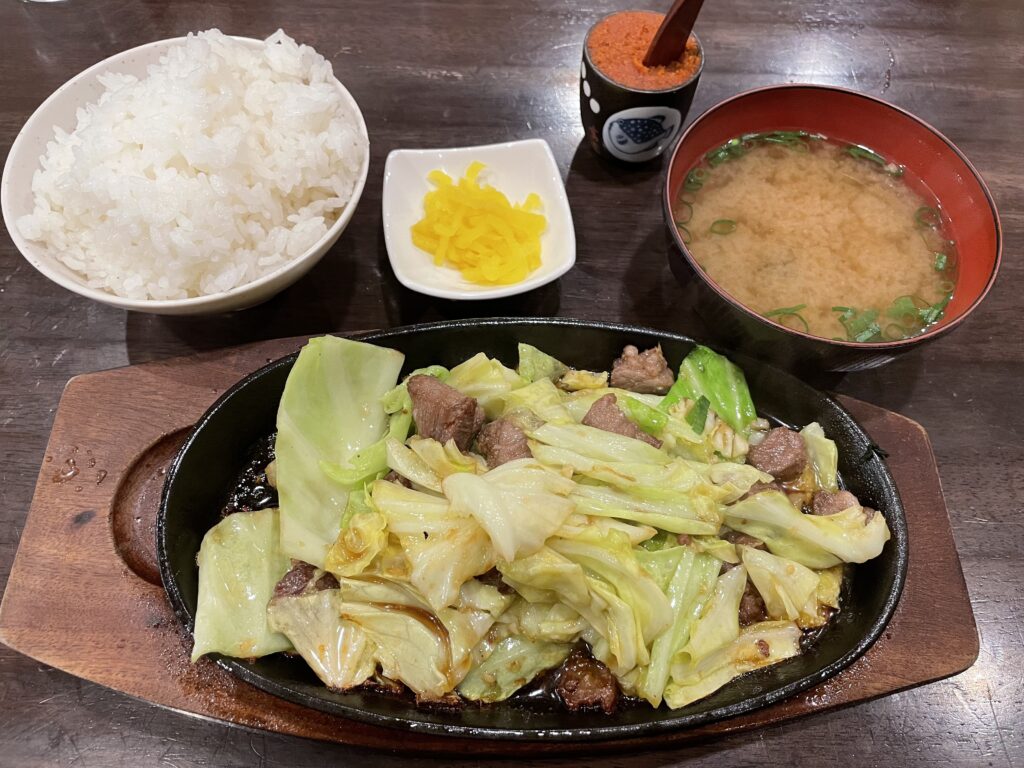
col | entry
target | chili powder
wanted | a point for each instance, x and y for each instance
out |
(618, 43)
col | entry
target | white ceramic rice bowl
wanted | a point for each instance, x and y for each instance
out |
(59, 110)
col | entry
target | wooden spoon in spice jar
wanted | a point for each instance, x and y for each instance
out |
(670, 40)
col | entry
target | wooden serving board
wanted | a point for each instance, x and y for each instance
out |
(84, 594)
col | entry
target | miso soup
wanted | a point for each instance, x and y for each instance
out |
(820, 236)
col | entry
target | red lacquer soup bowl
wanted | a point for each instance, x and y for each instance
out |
(844, 116)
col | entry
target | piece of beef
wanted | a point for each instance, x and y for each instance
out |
(444, 413)
(605, 414)
(752, 608)
(296, 580)
(584, 683)
(394, 477)
(781, 454)
(326, 581)
(493, 578)
(827, 503)
(646, 372)
(741, 539)
(502, 441)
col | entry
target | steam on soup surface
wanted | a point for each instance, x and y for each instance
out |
(820, 236)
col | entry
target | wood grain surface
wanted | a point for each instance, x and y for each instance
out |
(94, 512)
(446, 73)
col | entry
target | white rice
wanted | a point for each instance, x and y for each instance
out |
(221, 165)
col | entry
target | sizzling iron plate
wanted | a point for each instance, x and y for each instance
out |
(211, 457)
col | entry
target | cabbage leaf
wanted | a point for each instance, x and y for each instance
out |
(428, 651)
(486, 380)
(329, 412)
(574, 380)
(610, 555)
(403, 461)
(704, 373)
(444, 550)
(613, 631)
(719, 622)
(691, 513)
(823, 455)
(512, 663)
(541, 398)
(789, 590)
(337, 650)
(519, 504)
(816, 541)
(598, 444)
(758, 645)
(554, 622)
(363, 536)
(535, 365)
(447, 459)
(688, 588)
(240, 560)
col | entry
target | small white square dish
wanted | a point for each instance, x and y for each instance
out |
(517, 168)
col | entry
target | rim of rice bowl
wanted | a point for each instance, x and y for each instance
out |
(42, 258)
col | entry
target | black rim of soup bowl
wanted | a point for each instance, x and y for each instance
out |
(734, 324)
(205, 467)
(614, 98)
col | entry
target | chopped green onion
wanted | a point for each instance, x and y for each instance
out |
(689, 212)
(785, 310)
(723, 226)
(791, 143)
(863, 153)
(733, 148)
(894, 332)
(860, 326)
(695, 180)
(927, 217)
(904, 305)
(698, 415)
(935, 312)
(907, 309)
(868, 333)
(797, 315)
(941, 260)
(684, 234)
(947, 286)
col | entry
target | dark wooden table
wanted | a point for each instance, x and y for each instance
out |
(450, 73)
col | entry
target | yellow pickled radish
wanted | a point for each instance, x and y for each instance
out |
(477, 230)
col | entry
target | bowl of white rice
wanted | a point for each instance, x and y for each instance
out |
(194, 175)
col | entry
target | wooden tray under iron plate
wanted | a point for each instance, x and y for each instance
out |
(92, 524)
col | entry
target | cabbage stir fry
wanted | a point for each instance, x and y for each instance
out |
(635, 532)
